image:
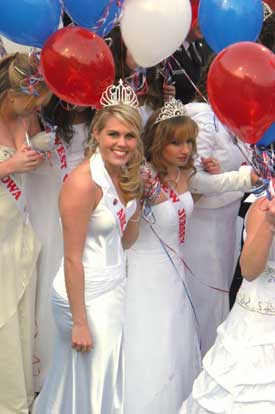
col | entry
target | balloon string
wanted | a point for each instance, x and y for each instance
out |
(167, 247)
(187, 76)
(105, 16)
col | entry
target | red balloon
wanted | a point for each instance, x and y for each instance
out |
(195, 11)
(77, 66)
(241, 89)
(271, 3)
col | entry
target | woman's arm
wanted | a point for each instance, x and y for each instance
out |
(131, 231)
(77, 201)
(242, 180)
(260, 229)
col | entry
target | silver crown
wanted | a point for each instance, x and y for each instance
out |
(171, 109)
(119, 94)
(267, 11)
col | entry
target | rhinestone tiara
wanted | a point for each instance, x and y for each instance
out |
(171, 109)
(267, 11)
(119, 94)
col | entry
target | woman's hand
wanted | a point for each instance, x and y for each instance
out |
(168, 91)
(82, 340)
(210, 165)
(25, 159)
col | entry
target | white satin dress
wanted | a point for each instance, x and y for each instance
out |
(162, 356)
(239, 370)
(92, 383)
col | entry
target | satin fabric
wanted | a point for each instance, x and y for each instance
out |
(92, 383)
(42, 189)
(238, 375)
(162, 356)
(213, 224)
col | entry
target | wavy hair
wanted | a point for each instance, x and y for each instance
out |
(130, 181)
(157, 136)
(14, 69)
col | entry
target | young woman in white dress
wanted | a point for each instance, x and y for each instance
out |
(22, 92)
(213, 222)
(96, 202)
(66, 132)
(161, 334)
(162, 355)
(238, 375)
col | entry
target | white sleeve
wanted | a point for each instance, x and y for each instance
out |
(205, 183)
(206, 139)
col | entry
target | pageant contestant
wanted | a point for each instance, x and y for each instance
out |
(161, 342)
(214, 220)
(22, 92)
(96, 202)
(238, 375)
(67, 129)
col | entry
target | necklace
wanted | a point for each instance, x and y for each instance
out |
(175, 180)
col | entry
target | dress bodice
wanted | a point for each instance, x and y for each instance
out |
(103, 243)
(259, 295)
(103, 256)
(169, 220)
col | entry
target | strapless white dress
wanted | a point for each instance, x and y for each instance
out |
(162, 356)
(92, 383)
(239, 370)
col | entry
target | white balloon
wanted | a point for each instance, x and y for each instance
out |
(153, 29)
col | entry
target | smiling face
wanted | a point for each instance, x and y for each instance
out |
(117, 142)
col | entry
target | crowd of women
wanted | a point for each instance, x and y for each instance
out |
(118, 232)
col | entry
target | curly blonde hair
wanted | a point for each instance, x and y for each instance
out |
(157, 136)
(130, 181)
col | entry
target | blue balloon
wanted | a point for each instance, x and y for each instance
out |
(224, 22)
(29, 22)
(268, 137)
(100, 16)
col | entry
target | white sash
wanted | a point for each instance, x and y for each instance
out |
(10, 186)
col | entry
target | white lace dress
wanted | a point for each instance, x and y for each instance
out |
(239, 370)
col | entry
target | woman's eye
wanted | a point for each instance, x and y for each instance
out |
(175, 142)
(189, 141)
(130, 136)
(113, 134)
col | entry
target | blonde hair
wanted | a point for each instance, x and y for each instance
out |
(14, 69)
(130, 182)
(157, 136)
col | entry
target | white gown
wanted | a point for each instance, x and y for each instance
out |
(162, 356)
(211, 250)
(43, 187)
(239, 370)
(92, 383)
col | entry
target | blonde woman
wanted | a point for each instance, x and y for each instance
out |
(22, 92)
(96, 202)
